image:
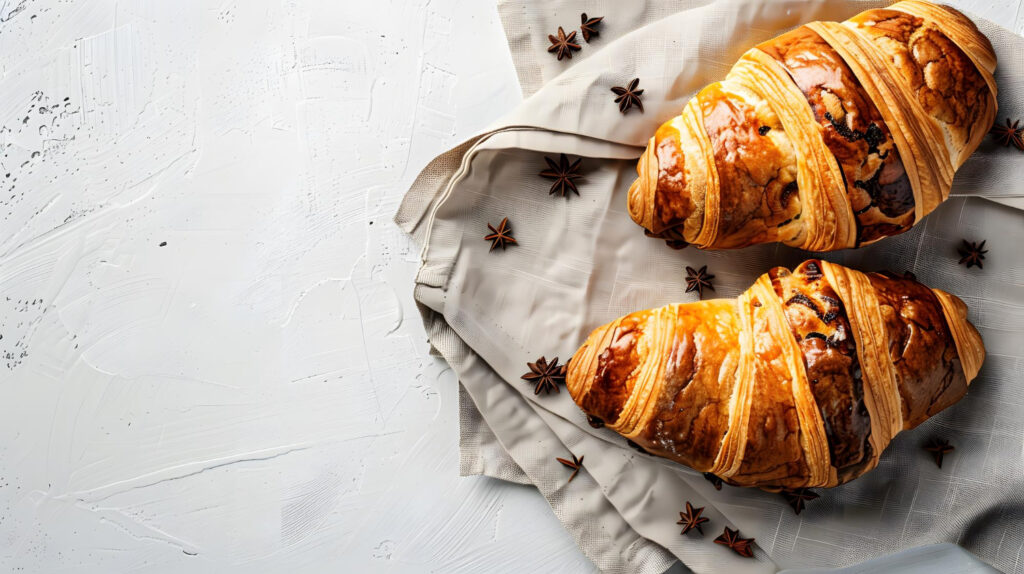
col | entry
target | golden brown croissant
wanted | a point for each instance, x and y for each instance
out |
(831, 136)
(801, 381)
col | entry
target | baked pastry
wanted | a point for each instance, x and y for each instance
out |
(831, 136)
(801, 381)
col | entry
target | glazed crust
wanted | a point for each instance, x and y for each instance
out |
(802, 381)
(943, 81)
(928, 369)
(756, 178)
(877, 185)
(831, 136)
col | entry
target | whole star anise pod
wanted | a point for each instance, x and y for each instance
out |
(698, 280)
(588, 26)
(692, 519)
(547, 376)
(500, 236)
(629, 96)
(575, 464)
(741, 546)
(564, 174)
(563, 45)
(1010, 134)
(714, 480)
(798, 497)
(939, 448)
(972, 254)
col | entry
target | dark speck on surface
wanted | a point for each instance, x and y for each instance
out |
(163, 244)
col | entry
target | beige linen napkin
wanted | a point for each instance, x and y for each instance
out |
(581, 262)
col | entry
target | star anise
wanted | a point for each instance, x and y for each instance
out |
(587, 26)
(563, 45)
(564, 174)
(500, 236)
(692, 519)
(972, 254)
(714, 480)
(1010, 134)
(741, 546)
(629, 96)
(798, 497)
(698, 280)
(575, 464)
(546, 375)
(938, 448)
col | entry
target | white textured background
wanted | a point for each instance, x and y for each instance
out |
(210, 359)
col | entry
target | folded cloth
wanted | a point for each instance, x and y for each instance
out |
(581, 262)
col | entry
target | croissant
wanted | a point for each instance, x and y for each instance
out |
(801, 381)
(831, 136)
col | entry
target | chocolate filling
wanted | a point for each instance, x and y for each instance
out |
(832, 366)
(893, 199)
(876, 182)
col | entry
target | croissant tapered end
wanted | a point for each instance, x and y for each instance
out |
(599, 374)
(969, 345)
(966, 136)
(960, 29)
(582, 368)
(641, 193)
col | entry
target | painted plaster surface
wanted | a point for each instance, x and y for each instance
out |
(210, 358)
